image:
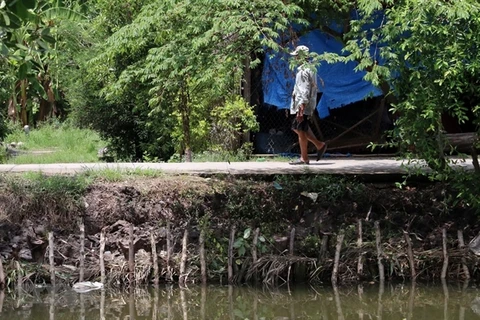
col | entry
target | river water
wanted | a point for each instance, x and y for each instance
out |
(369, 301)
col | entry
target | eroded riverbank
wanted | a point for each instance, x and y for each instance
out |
(275, 230)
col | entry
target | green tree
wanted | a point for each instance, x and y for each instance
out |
(429, 70)
(178, 60)
(29, 55)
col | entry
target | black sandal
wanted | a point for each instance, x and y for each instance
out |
(321, 151)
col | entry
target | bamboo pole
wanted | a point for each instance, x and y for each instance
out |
(445, 254)
(461, 245)
(378, 242)
(2, 275)
(169, 252)
(338, 248)
(154, 259)
(131, 255)
(230, 254)
(359, 246)
(51, 257)
(183, 261)
(82, 250)
(203, 263)
(292, 242)
(102, 257)
(411, 259)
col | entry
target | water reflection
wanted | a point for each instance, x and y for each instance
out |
(367, 301)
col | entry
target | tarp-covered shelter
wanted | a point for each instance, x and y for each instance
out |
(350, 113)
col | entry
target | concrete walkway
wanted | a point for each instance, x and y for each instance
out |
(344, 166)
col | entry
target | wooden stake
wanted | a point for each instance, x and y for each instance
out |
(203, 263)
(292, 241)
(445, 254)
(230, 255)
(2, 297)
(102, 305)
(82, 250)
(256, 234)
(183, 261)
(359, 246)
(169, 252)
(338, 303)
(101, 256)
(131, 255)
(154, 259)
(461, 245)
(51, 257)
(323, 249)
(2, 275)
(411, 259)
(338, 248)
(378, 241)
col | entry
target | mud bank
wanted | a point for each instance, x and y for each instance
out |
(272, 230)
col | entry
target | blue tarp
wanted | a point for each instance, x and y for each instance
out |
(339, 83)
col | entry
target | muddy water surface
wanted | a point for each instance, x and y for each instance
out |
(370, 301)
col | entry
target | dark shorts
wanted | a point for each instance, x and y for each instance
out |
(300, 126)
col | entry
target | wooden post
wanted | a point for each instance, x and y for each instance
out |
(336, 262)
(359, 246)
(445, 254)
(51, 257)
(338, 303)
(101, 257)
(183, 262)
(2, 298)
(411, 259)
(256, 234)
(230, 255)
(203, 263)
(169, 252)
(323, 249)
(82, 250)
(51, 309)
(461, 245)
(131, 255)
(292, 242)
(102, 305)
(154, 259)
(2, 275)
(378, 241)
(19, 280)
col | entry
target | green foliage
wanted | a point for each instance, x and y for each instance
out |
(243, 245)
(165, 73)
